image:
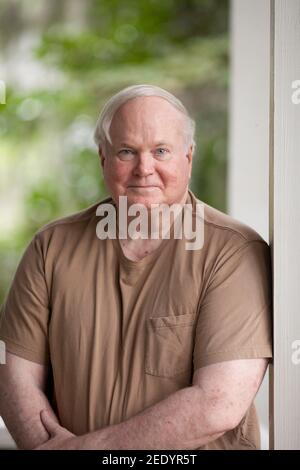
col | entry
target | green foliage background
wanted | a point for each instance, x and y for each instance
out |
(48, 163)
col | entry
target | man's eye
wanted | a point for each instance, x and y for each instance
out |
(126, 154)
(161, 151)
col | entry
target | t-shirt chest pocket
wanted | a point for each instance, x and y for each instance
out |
(169, 344)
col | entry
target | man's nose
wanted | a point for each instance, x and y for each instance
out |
(144, 165)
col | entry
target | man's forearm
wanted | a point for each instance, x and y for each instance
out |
(180, 421)
(20, 409)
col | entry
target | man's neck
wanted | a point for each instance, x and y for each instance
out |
(137, 248)
(156, 221)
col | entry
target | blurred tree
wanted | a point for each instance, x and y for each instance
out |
(49, 165)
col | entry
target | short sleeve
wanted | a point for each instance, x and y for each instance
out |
(24, 315)
(235, 315)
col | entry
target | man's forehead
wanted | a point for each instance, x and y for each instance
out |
(155, 121)
(150, 108)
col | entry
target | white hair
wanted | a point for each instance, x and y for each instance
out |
(101, 134)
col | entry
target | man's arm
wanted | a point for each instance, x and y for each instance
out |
(187, 419)
(216, 403)
(22, 397)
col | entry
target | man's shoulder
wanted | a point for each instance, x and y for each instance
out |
(70, 222)
(221, 225)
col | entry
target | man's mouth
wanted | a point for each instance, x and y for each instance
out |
(141, 186)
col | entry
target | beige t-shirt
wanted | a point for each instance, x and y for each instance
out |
(122, 335)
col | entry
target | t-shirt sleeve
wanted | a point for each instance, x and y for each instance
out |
(235, 315)
(24, 316)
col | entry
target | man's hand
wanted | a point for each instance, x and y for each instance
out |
(60, 438)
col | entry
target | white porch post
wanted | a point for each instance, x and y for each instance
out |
(285, 225)
(248, 195)
(266, 64)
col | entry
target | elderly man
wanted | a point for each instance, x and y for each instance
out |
(136, 342)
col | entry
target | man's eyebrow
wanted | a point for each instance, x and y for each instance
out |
(163, 143)
(125, 144)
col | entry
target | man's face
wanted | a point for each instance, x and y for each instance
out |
(148, 161)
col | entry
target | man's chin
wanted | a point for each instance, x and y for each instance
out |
(144, 201)
(145, 196)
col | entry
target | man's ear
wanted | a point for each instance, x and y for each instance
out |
(190, 153)
(102, 156)
(189, 156)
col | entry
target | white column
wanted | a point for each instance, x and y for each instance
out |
(248, 175)
(285, 226)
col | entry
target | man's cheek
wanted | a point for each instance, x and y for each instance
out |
(171, 177)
